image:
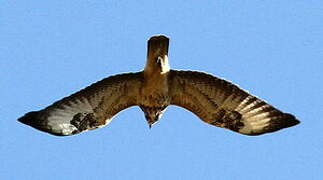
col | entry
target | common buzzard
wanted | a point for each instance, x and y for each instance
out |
(214, 100)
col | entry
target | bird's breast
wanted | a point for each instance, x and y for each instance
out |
(155, 90)
(156, 99)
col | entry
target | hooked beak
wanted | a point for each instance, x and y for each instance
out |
(151, 122)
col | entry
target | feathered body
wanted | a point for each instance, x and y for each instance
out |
(213, 100)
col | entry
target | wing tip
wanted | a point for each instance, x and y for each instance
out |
(29, 118)
(283, 121)
(35, 120)
(287, 120)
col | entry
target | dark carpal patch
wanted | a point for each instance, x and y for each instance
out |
(228, 119)
(84, 121)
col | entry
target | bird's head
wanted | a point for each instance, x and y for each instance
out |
(152, 114)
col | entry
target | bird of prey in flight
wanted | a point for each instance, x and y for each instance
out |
(214, 100)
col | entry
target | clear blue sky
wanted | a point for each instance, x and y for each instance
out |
(50, 49)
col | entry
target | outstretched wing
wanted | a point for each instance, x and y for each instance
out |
(223, 104)
(89, 108)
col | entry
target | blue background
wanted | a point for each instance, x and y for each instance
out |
(50, 49)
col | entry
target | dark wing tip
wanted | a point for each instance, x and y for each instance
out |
(29, 118)
(286, 121)
(35, 120)
(290, 120)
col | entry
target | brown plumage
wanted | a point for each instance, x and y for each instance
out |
(213, 100)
